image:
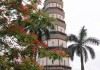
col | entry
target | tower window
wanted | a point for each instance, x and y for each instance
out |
(52, 43)
(60, 17)
(62, 44)
(59, 6)
(52, 15)
(61, 30)
(52, 4)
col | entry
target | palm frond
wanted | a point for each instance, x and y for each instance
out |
(91, 51)
(72, 38)
(82, 33)
(71, 46)
(92, 40)
(78, 51)
(72, 53)
(85, 54)
(71, 50)
(47, 33)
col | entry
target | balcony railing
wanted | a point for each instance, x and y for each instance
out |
(57, 67)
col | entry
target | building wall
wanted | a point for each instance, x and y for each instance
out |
(47, 61)
(53, 1)
(61, 29)
(56, 42)
(54, 15)
(63, 43)
(54, 5)
(55, 10)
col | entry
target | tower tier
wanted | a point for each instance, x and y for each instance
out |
(55, 2)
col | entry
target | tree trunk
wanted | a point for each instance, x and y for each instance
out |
(82, 63)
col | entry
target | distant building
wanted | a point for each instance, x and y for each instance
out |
(58, 36)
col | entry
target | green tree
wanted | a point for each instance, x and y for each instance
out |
(80, 46)
(22, 26)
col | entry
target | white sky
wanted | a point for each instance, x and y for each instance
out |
(79, 13)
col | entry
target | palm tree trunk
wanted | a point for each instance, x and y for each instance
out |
(82, 63)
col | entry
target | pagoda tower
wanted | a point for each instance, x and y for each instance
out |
(54, 8)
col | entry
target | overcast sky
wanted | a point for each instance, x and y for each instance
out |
(77, 14)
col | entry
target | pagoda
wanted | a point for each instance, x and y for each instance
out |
(54, 8)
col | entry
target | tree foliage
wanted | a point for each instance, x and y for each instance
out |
(22, 26)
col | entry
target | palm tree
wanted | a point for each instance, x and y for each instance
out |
(80, 46)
